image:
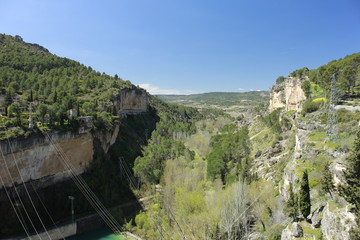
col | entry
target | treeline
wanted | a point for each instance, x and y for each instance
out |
(53, 85)
(346, 71)
(25, 67)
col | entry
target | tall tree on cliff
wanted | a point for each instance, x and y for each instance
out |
(304, 196)
(326, 180)
(291, 207)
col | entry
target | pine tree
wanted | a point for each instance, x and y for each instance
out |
(304, 196)
(327, 183)
(31, 98)
(55, 97)
(291, 207)
(8, 98)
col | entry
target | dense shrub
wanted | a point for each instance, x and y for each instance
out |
(310, 106)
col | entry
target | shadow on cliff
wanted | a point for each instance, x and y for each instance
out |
(103, 177)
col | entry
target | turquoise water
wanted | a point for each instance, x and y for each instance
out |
(98, 234)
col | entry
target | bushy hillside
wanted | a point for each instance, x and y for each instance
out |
(25, 67)
(345, 70)
(30, 76)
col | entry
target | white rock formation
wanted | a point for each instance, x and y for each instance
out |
(288, 94)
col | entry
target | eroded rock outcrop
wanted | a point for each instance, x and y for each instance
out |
(288, 94)
(292, 231)
(131, 101)
(337, 222)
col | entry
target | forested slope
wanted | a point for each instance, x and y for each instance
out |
(263, 175)
(30, 76)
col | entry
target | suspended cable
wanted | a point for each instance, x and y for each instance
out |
(177, 224)
(48, 213)
(21, 220)
(27, 191)
(17, 193)
(83, 187)
(127, 174)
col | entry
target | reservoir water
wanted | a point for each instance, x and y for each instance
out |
(98, 234)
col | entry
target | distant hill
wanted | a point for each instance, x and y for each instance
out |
(224, 100)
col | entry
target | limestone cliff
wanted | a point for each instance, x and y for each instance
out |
(36, 157)
(288, 94)
(131, 101)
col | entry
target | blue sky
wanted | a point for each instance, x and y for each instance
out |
(190, 46)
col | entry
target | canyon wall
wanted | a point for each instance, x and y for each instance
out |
(37, 158)
(288, 94)
(131, 101)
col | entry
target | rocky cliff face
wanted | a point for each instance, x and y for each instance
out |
(36, 157)
(337, 222)
(305, 146)
(131, 101)
(288, 94)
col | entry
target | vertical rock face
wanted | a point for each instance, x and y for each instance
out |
(36, 157)
(288, 94)
(131, 101)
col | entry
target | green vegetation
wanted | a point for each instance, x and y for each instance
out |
(203, 182)
(229, 157)
(309, 230)
(198, 168)
(272, 120)
(176, 123)
(291, 207)
(346, 70)
(280, 79)
(310, 106)
(306, 86)
(221, 100)
(304, 196)
(275, 232)
(30, 76)
(327, 183)
(300, 73)
(56, 92)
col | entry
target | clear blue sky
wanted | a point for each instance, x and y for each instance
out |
(188, 46)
